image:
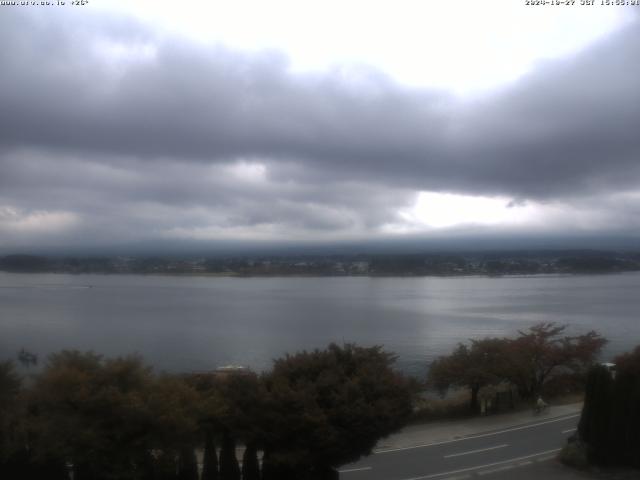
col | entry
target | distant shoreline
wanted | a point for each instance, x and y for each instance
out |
(444, 265)
(300, 275)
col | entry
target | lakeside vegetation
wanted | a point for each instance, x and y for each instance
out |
(544, 362)
(427, 264)
(106, 419)
(541, 360)
(115, 418)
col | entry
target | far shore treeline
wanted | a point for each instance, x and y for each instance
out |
(518, 262)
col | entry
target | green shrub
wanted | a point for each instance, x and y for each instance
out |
(574, 455)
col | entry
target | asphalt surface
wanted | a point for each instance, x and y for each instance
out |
(492, 454)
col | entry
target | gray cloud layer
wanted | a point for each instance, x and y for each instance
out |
(137, 136)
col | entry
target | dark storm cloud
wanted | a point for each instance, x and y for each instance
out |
(570, 124)
(139, 134)
(129, 198)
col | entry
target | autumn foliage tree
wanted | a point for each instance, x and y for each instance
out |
(527, 361)
(473, 366)
(544, 350)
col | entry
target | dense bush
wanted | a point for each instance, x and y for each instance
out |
(115, 419)
(327, 408)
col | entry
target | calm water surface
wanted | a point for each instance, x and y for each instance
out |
(196, 323)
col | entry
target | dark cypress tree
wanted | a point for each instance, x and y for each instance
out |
(54, 469)
(625, 422)
(619, 426)
(210, 461)
(267, 470)
(610, 422)
(15, 465)
(229, 468)
(594, 427)
(633, 426)
(81, 472)
(273, 469)
(166, 466)
(250, 465)
(187, 464)
(146, 466)
(22, 465)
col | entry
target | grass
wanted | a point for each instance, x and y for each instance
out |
(456, 406)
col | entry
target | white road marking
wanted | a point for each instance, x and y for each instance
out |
(569, 430)
(475, 451)
(479, 467)
(545, 459)
(496, 470)
(471, 437)
(362, 469)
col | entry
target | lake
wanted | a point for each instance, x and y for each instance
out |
(198, 323)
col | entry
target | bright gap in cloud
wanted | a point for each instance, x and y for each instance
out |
(464, 46)
(17, 221)
(247, 171)
(121, 53)
(444, 210)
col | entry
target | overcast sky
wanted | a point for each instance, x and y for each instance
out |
(152, 122)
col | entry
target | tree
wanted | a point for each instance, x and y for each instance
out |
(229, 468)
(541, 351)
(595, 420)
(210, 404)
(210, 460)
(27, 359)
(106, 416)
(232, 406)
(329, 407)
(187, 464)
(610, 421)
(482, 363)
(250, 465)
(9, 390)
(625, 422)
(239, 406)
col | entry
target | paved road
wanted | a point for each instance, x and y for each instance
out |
(487, 454)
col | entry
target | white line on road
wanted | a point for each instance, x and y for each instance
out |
(471, 437)
(362, 469)
(479, 467)
(475, 451)
(545, 459)
(496, 470)
(569, 430)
